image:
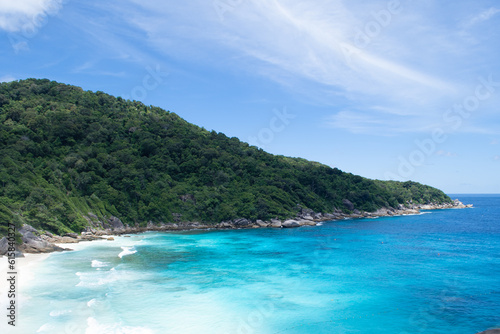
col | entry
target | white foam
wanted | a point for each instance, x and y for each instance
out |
(99, 264)
(91, 302)
(45, 328)
(59, 313)
(127, 251)
(93, 279)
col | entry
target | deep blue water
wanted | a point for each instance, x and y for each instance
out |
(438, 272)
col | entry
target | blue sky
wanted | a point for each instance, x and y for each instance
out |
(395, 89)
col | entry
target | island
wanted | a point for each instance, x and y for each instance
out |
(77, 165)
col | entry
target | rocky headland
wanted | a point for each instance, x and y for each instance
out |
(35, 241)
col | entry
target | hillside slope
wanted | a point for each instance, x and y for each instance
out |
(69, 155)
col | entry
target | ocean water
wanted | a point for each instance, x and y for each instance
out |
(437, 272)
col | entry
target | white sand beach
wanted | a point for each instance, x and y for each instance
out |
(24, 274)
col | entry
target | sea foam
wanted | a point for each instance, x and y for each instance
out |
(59, 313)
(127, 251)
(99, 264)
(45, 328)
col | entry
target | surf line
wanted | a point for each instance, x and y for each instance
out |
(127, 251)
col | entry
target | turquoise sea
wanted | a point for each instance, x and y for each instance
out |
(437, 272)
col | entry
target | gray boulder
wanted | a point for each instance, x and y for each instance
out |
(260, 223)
(28, 228)
(4, 246)
(116, 223)
(330, 216)
(276, 223)
(241, 222)
(307, 223)
(290, 223)
(318, 215)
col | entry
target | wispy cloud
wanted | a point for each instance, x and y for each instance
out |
(119, 43)
(311, 46)
(483, 16)
(26, 15)
(306, 39)
(89, 67)
(365, 123)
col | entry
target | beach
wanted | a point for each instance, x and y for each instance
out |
(24, 272)
(435, 271)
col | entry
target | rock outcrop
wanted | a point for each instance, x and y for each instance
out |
(275, 223)
(290, 223)
(34, 241)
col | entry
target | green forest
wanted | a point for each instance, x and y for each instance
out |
(66, 152)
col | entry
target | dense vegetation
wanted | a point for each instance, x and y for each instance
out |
(66, 153)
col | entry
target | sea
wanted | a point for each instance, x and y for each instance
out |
(436, 272)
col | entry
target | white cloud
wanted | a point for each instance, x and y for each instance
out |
(362, 123)
(412, 67)
(483, 16)
(26, 15)
(311, 40)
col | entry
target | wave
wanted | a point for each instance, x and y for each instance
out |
(91, 280)
(45, 328)
(59, 313)
(127, 251)
(99, 264)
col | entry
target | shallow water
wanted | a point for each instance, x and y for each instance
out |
(436, 272)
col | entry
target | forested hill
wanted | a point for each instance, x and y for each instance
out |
(68, 153)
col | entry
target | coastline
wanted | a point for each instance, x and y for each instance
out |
(22, 265)
(122, 241)
(37, 242)
(24, 274)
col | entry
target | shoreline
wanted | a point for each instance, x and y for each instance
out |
(24, 274)
(21, 264)
(37, 242)
(36, 259)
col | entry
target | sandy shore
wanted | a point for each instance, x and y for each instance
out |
(25, 269)
(22, 267)
(24, 274)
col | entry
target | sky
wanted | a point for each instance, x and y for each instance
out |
(398, 89)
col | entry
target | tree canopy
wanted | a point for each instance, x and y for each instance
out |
(67, 153)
